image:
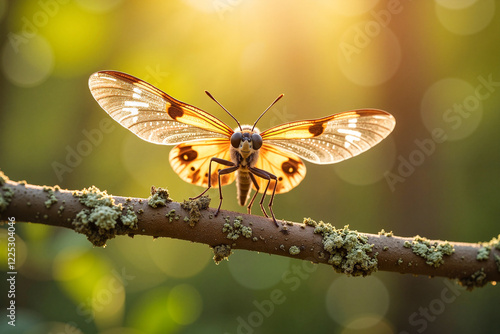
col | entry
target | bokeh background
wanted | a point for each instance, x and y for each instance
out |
(433, 64)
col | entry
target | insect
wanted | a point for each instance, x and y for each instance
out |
(269, 161)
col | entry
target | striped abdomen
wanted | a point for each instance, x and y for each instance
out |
(243, 185)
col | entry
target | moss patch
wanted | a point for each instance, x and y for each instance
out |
(51, 198)
(294, 250)
(193, 207)
(6, 196)
(387, 234)
(236, 229)
(159, 197)
(171, 215)
(476, 280)
(221, 252)
(349, 250)
(103, 219)
(495, 243)
(432, 253)
(308, 221)
(483, 253)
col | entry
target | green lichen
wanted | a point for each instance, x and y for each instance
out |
(432, 253)
(495, 243)
(159, 197)
(60, 210)
(103, 219)
(483, 253)
(476, 280)
(309, 221)
(294, 250)
(221, 252)
(348, 249)
(129, 218)
(6, 196)
(51, 198)
(236, 229)
(385, 248)
(387, 234)
(407, 244)
(194, 207)
(400, 261)
(171, 215)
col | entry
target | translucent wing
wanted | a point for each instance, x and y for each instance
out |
(334, 138)
(150, 113)
(287, 167)
(191, 161)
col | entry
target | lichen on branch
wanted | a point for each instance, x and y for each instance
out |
(100, 217)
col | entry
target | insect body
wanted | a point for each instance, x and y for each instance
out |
(244, 151)
(270, 161)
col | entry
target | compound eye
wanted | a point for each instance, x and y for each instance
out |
(256, 141)
(236, 139)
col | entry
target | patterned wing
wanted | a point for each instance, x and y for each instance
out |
(287, 167)
(334, 138)
(191, 161)
(150, 113)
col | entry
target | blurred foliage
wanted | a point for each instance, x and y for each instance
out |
(428, 63)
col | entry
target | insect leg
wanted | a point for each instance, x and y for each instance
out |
(220, 161)
(267, 176)
(222, 172)
(254, 181)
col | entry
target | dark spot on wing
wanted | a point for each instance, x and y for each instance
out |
(187, 154)
(317, 129)
(214, 179)
(195, 176)
(192, 168)
(290, 167)
(175, 111)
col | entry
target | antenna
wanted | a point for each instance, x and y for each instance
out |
(272, 104)
(213, 98)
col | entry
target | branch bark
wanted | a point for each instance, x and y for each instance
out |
(350, 252)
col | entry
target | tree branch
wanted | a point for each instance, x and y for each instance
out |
(100, 217)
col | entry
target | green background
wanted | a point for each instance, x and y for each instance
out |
(426, 62)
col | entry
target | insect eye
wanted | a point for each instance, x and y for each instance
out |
(236, 139)
(256, 141)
